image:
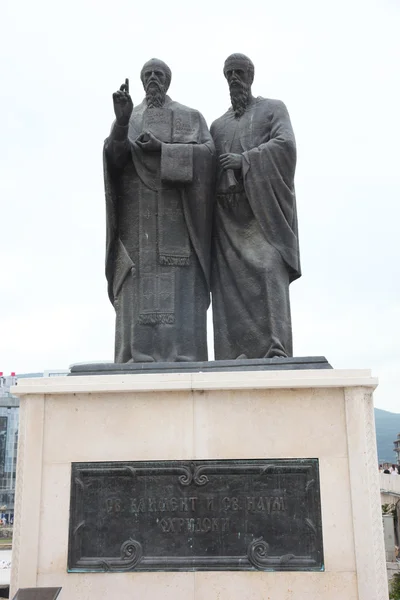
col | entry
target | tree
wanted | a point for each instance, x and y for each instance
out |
(395, 587)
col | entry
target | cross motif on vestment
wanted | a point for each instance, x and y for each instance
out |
(173, 212)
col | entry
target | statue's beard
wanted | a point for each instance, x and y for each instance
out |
(155, 95)
(240, 97)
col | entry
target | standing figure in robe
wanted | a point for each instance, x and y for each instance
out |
(159, 162)
(255, 253)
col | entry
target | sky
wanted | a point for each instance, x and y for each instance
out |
(334, 63)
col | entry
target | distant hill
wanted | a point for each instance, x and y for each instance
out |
(387, 427)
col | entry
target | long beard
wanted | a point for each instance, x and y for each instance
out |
(155, 96)
(240, 96)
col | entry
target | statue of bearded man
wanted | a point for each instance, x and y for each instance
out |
(158, 171)
(255, 239)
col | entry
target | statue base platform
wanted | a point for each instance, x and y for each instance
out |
(204, 429)
(254, 364)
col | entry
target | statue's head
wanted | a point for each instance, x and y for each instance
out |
(156, 77)
(239, 73)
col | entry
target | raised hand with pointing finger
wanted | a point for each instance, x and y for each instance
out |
(123, 104)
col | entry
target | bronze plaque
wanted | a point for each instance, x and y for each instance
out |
(196, 515)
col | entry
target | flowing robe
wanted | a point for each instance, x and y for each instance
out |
(255, 239)
(158, 213)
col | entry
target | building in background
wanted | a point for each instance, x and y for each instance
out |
(9, 417)
(9, 412)
(397, 448)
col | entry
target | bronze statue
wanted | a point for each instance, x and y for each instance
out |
(159, 177)
(255, 252)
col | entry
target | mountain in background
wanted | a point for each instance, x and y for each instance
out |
(387, 426)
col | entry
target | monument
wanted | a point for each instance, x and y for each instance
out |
(159, 176)
(256, 246)
(159, 181)
(166, 476)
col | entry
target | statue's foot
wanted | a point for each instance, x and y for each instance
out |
(182, 358)
(276, 354)
(139, 357)
(241, 357)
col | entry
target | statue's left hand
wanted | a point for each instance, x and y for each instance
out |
(148, 142)
(230, 161)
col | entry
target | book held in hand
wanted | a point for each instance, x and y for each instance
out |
(186, 128)
(159, 122)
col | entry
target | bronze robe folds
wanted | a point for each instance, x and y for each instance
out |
(255, 238)
(159, 207)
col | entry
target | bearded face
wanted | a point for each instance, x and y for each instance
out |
(155, 78)
(155, 93)
(239, 81)
(240, 95)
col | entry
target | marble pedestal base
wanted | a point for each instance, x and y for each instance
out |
(324, 414)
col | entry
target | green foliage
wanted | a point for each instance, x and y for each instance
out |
(395, 587)
(389, 509)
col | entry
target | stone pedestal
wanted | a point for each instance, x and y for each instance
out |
(324, 414)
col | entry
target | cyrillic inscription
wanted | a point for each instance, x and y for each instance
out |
(172, 515)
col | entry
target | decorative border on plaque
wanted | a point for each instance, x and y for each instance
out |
(131, 555)
(198, 474)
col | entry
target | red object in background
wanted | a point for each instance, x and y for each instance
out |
(12, 374)
(1, 373)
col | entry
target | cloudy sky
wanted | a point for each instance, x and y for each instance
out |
(335, 63)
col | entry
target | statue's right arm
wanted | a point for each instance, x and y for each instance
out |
(117, 146)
